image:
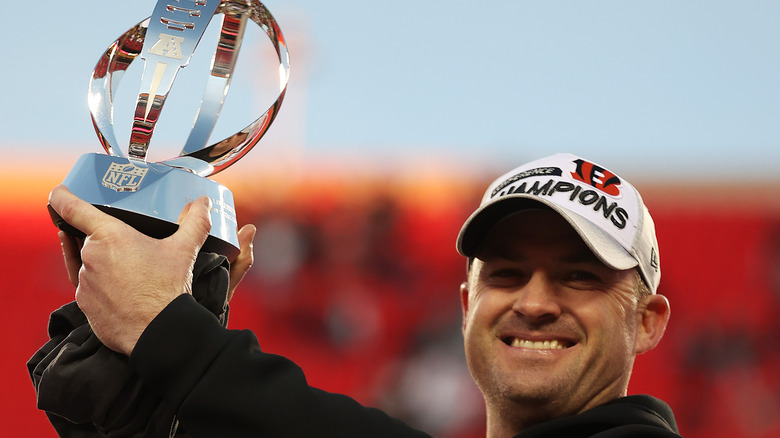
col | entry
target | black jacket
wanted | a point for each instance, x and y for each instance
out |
(224, 385)
(217, 382)
(88, 390)
(633, 416)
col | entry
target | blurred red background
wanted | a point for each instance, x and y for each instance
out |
(356, 280)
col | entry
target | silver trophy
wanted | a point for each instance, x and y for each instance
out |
(149, 196)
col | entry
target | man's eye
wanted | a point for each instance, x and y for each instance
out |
(583, 276)
(506, 275)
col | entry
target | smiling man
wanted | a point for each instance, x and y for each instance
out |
(560, 298)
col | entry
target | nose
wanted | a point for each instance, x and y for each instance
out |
(537, 299)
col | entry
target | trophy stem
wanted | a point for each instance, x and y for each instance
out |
(170, 41)
(148, 108)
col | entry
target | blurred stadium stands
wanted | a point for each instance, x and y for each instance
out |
(356, 280)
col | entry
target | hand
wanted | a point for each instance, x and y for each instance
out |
(125, 277)
(238, 266)
(71, 251)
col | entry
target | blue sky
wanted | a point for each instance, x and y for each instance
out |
(688, 89)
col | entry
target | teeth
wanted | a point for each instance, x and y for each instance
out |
(537, 345)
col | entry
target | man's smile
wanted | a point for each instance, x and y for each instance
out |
(547, 344)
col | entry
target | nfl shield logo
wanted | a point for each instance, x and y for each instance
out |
(124, 177)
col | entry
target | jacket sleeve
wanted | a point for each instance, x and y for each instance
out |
(222, 384)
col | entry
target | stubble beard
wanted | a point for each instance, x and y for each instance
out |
(524, 398)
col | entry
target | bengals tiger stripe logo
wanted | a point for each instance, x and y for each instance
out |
(597, 176)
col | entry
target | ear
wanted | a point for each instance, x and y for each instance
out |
(653, 314)
(464, 301)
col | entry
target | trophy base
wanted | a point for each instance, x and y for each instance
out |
(149, 197)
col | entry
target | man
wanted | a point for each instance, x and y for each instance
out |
(560, 298)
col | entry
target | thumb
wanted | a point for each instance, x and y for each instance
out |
(80, 214)
(195, 224)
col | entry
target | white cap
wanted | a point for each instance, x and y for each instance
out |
(605, 210)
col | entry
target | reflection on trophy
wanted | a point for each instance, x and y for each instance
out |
(149, 196)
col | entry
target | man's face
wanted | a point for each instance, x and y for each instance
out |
(547, 326)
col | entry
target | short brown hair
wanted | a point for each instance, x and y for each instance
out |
(642, 290)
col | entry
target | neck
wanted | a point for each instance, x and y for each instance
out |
(507, 419)
(510, 419)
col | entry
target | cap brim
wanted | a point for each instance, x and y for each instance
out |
(476, 227)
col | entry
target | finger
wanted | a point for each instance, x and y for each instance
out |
(71, 251)
(240, 266)
(184, 212)
(195, 225)
(80, 214)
